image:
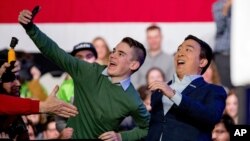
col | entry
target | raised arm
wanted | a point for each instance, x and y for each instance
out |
(48, 47)
(11, 105)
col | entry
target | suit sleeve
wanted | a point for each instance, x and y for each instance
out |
(11, 105)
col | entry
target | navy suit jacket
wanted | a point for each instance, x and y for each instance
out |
(201, 107)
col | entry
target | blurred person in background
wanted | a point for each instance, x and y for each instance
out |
(232, 106)
(33, 88)
(30, 127)
(145, 95)
(153, 74)
(102, 49)
(155, 57)
(37, 120)
(212, 75)
(221, 131)
(221, 10)
(49, 130)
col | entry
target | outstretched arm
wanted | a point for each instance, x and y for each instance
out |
(11, 105)
(56, 106)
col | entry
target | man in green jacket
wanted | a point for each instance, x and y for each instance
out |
(104, 96)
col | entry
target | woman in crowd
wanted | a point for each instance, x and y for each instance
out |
(102, 49)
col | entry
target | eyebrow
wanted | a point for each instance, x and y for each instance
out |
(120, 51)
(190, 46)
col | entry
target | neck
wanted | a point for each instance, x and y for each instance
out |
(118, 79)
(154, 52)
(181, 76)
(99, 61)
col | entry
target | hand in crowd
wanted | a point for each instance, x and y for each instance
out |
(3, 135)
(162, 86)
(35, 72)
(56, 106)
(3, 68)
(226, 7)
(66, 133)
(25, 17)
(110, 136)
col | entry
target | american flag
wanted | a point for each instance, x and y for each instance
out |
(69, 22)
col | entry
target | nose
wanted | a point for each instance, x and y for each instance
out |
(213, 136)
(112, 55)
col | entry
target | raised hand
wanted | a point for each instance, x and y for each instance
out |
(25, 17)
(3, 68)
(162, 86)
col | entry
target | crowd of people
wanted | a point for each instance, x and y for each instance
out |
(129, 93)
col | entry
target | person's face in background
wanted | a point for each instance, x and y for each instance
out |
(86, 55)
(12, 88)
(101, 48)
(220, 133)
(29, 127)
(51, 132)
(34, 118)
(31, 132)
(154, 39)
(232, 105)
(154, 75)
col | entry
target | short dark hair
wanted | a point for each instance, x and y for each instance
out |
(227, 121)
(205, 53)
(139, 50)
(153, 27)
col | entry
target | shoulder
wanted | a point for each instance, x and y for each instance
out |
(133, 94)
(216, 89)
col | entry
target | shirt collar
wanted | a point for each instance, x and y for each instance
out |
(124, 83)
(186, 78)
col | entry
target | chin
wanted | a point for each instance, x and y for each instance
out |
(110, 72)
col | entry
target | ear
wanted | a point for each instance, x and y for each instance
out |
(203, 63)
(134, 65)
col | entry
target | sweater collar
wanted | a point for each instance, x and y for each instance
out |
(124, 83)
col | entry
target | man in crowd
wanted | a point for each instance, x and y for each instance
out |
(187, 108)
(155, 57)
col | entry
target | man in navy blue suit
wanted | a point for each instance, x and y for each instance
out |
(187, 108)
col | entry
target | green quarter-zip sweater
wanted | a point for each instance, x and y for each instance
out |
(102, 105)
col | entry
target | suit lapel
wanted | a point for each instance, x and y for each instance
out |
(193, 85)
